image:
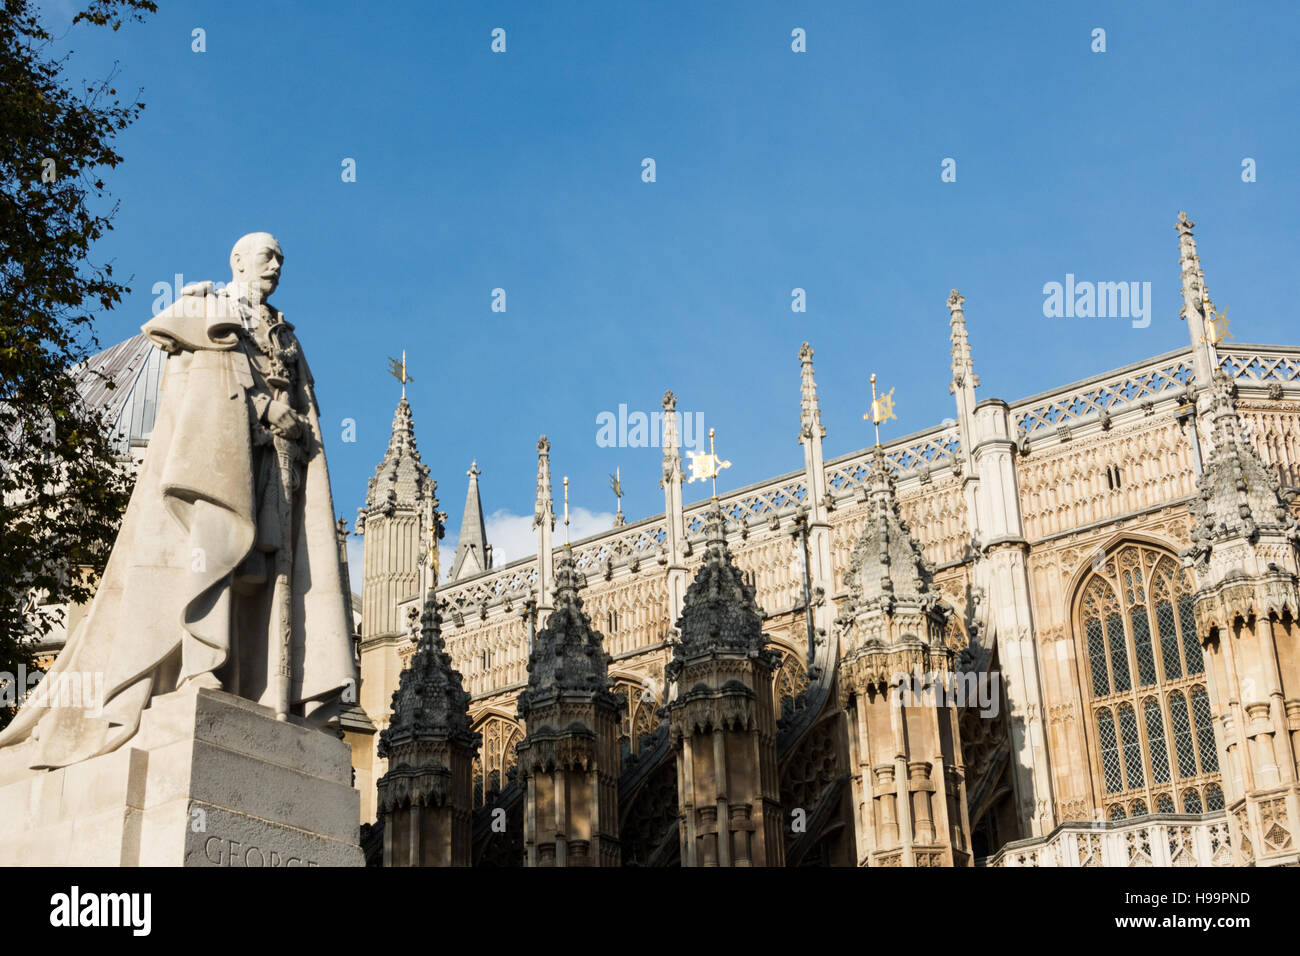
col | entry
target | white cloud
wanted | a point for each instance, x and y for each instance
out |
(355, 546)
(512, 536)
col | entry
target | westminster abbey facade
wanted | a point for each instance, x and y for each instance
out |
(1054, 632)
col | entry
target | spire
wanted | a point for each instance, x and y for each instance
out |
(473, 553)
(568, 654)
(395, 522)
(811, 433)
(810, 415)
(1197, 308)
(430, 707)
(401, 478)
(719, 613)
(544, 524)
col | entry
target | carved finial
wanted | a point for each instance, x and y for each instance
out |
(810, 416)
(543, 510)
(1198, 311)
(672, 461)
(963, 366)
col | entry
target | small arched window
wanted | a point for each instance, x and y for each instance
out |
(1153, 728)
(495, 757)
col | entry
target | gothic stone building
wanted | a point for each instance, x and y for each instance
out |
(1054, 632)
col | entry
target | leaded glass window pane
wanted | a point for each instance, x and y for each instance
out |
(1204, 731)
(1116, 813)
(1128, 731)
(1168, 640)
(1213, 797)
(1165, 804)
(1118, 652)
(1156, 741)
(1182, 727)
(1191, 801)
(1191, 643)
(1137, 809)
(1097, 658)
(1146, 659)
(1109, 751)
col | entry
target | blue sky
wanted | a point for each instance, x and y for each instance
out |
(775, 170)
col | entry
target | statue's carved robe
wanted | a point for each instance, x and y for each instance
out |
(188, 586)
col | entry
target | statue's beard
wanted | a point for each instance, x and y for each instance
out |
(256, 291)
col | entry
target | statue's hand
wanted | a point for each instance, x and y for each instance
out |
(283, 420)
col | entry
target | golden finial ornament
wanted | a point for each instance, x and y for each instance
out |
(882, 408)
(706, 466)
(1216, 328)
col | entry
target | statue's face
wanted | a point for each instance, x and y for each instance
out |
(257, 269)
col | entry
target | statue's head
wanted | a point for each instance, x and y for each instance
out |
(255, 263)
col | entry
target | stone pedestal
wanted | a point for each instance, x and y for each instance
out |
(210, 779)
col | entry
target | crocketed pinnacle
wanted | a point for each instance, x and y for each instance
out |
(1239, 495)
(810, 415)
(963, 366)
(430, 702)
(568, 655)
(886, 564)
(719, 612)
(400, 479)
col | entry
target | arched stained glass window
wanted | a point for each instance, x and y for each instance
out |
(495, 757)
(1156, 740)
(1191, 801)
(1146, 661)
(1204, 731)
(1109, 752)
(1097, 658)
(1152, 718)
(1213, 797)
(1183, 745)
(1118, 651)
(1168, 630)
(1191, 643)
(1128, 734)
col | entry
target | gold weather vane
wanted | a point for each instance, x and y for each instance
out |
(882, 408)
(566, 509)
(398, 371)
(1216, 329)
(706, 466)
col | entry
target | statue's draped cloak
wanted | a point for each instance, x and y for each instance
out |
(165, 609)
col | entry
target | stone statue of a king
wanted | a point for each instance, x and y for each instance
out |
(226, 571)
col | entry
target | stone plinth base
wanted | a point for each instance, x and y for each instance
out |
(210, 779)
